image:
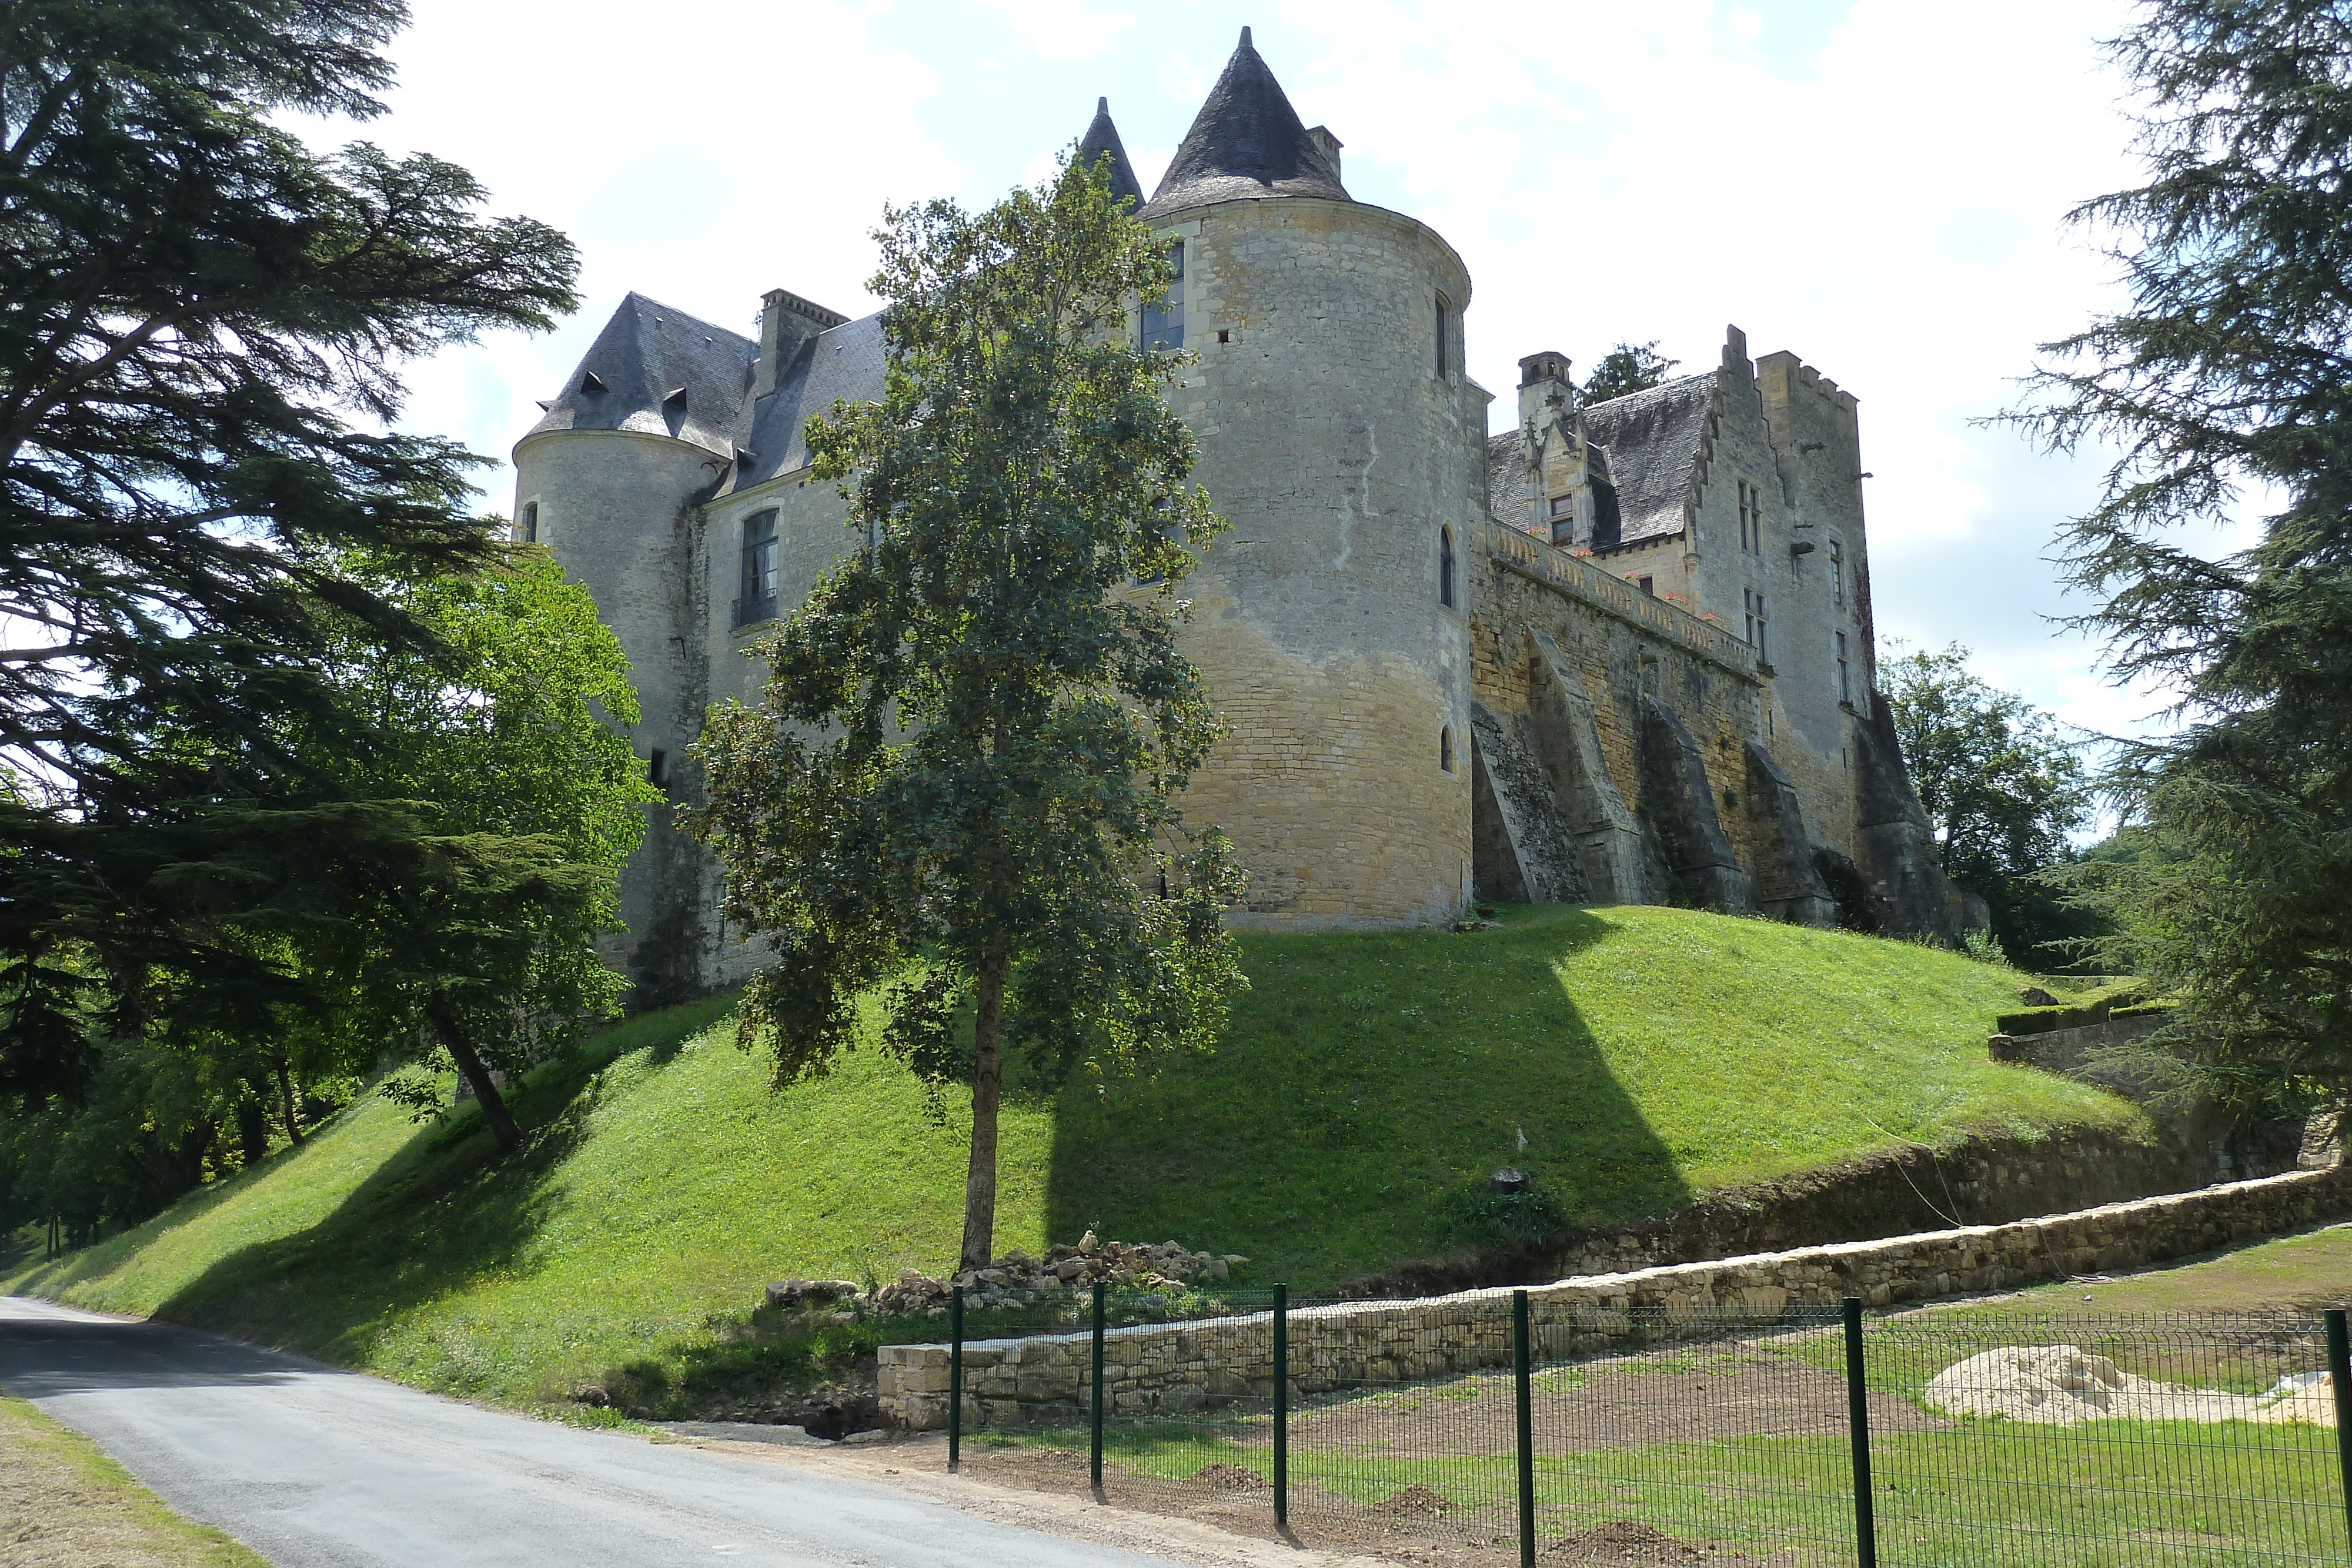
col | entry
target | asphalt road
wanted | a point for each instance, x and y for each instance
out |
(315, 1468)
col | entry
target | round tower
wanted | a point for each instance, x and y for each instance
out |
(608, 480)
(1339, 433)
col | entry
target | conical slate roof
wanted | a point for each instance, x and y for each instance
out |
(659, 371)
(1246, 142)
(1101, 139)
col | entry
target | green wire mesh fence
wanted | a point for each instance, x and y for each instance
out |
(1478, 1430)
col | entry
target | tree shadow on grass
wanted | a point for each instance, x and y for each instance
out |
(444, 1210)
(1369, 1086)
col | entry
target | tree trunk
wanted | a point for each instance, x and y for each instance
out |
(253, 1126)
(461, 1052)
(987, 1090)
(286, 1097)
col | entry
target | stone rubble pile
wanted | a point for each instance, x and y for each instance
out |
(1015, 1279)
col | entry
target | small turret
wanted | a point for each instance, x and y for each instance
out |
(1544, 387)
(1101, 141)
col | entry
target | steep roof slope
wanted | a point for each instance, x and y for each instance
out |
(1654, 439)
(659, 371)
(1246, 142)
(1102, 139)
(841, 363)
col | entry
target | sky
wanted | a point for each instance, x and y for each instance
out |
(1878, 185)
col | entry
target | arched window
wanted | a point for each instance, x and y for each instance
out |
(1445, 747)
(1446, 567)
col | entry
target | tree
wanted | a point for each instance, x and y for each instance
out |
(1625, 370)
(197, 307)
(960, 778)
(2002, 789)
(2228, 381)
(528, 804)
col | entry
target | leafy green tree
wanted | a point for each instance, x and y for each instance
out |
(484, 938)
(2228, 382)
(2002, 788)
(202, 327)
(1625, 370)
(959, 785)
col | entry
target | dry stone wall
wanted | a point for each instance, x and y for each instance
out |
(1180, 1366)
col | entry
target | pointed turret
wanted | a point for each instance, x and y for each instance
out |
(1248, 143)
(1102, 141)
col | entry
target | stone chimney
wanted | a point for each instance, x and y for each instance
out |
(1321, 136)
(1544, 387)
(787, 321)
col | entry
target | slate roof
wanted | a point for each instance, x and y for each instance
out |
(1102, 137)
(844, 362)
(1246, 142)
(1654, 439)
(663, 373)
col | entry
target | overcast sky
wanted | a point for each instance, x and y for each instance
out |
(1876, 184)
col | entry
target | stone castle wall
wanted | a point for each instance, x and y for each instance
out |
(1179, 1367)
(1342, 450)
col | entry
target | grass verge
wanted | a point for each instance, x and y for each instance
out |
(64, 1504)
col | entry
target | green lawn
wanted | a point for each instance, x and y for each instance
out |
(1645, 1053)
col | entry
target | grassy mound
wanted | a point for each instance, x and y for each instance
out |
(1644, 1055)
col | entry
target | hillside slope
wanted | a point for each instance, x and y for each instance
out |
(1645, 1054)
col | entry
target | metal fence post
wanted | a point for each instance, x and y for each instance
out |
(1857, 1404)
(1096, 1446)
(955, 1378)
(1282, 1405)
(1526, 1429)
(2339, 1374)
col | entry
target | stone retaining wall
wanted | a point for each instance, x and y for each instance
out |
(1178, 1367)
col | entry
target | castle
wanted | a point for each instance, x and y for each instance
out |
(1621, 654)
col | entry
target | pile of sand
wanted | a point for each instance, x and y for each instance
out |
(2059, 1384)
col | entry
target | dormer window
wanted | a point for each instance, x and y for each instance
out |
(1163, 323)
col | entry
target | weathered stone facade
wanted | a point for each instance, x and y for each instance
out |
(1620, 654)
(1179, 1367)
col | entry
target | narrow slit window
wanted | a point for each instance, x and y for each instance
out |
(657, 766)
(1844, 678)
(1445, 748)
(1445, 311)
(1164, 321)
(1837, 573)
(1446, 567)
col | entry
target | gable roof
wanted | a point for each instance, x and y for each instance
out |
(1657, 441)
(1102, 139)
(1246, 142)
(659, 371)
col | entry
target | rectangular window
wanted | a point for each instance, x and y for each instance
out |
(1751, 518)
(759, 591)
(1846, 682)
(1444, 358)
(1837, 572)
(657, 766)
(1564, 506)
(1752, 605)
(1649, 586)
(528, 531)
(1163, 322)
